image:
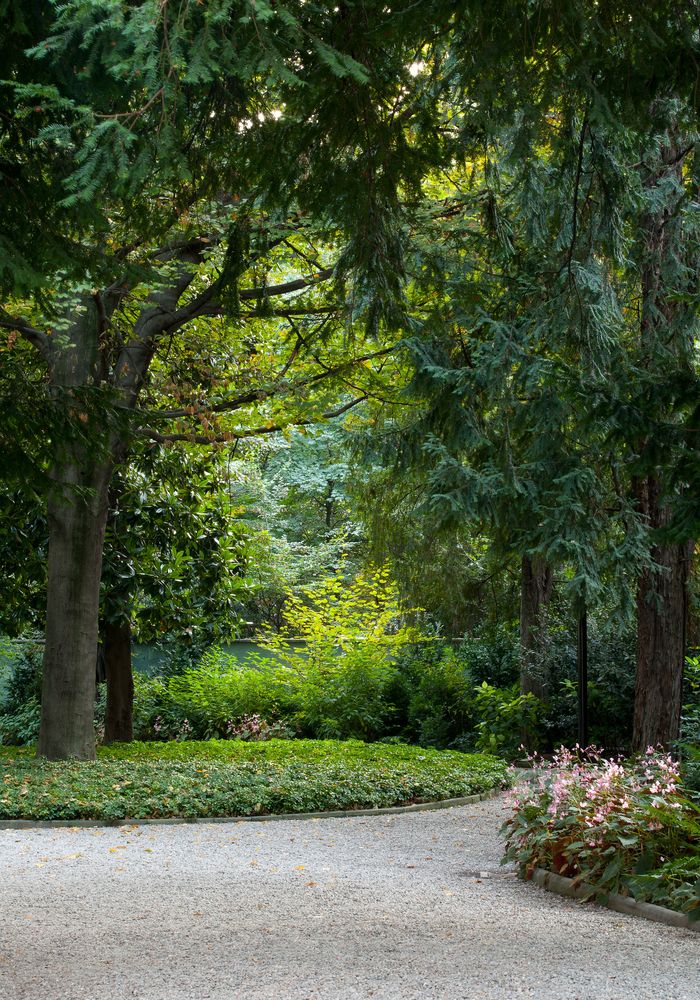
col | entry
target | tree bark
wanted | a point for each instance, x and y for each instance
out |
(536, 584)
(76, 534)
(81, 371)
(119, 727)
(662, 615)
(77, 515)
(662, 600)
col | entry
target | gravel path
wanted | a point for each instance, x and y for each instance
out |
(409, 907)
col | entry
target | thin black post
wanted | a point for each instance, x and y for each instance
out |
(582, 664)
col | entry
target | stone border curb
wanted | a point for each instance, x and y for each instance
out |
(51, 824)
(564, 886)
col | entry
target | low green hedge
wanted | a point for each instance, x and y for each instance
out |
(235, 778)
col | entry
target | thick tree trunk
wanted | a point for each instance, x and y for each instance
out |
(76, 534)
(81, 360)
(662, 604)
(536, 583)
(77, 513)
(662, 613)
(119, 727)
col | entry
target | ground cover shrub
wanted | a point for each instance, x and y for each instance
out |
(616, 825)
(236, 778)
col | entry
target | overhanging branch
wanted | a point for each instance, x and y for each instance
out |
(29, 333)
(206, 304)
(267, 392)
(229, 436)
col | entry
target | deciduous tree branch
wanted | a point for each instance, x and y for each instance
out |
(259, 394)
(154, 435)
(37, 338)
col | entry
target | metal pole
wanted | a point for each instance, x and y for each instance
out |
(582, 664)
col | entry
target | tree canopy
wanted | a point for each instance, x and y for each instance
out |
(472, 230)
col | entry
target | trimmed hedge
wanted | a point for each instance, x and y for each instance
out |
(236, 778)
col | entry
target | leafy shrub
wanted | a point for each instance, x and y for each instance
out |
(222, 689)
(150, 703)
(611, 670)
(341, 695)
(21, 727)
(204, 701)
(235, 778)
(20, 704)
(504, 715)
(689, 742)
(675, 884)
(340, 681)
(616, 825)
(433, 692)
(493, 658)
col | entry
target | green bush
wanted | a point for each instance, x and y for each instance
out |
(689, 742)
(205, 702)
(340, 682)
(354, 690)
(504, 716)
(493, 658)
(20, 703)
(221, 690)
(150, 704)
(675, 884)
(433, 692)
(611, 670)
(341, 694)
(234, 778)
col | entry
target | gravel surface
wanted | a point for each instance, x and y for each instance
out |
(390, 907)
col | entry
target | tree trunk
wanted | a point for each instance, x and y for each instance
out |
(536, 583)
(76, 533)
(82, 368)
(662, 603)
(119, 726)
(662, 613)
(77, 514)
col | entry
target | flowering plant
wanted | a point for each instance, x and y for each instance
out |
(172, 730)
(254, 728)
(607, 823)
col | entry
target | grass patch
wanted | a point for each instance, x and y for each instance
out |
(235, 778)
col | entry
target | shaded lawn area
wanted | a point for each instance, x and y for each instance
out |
(236, 778)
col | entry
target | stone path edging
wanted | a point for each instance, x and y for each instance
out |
(564, 886)
(41, 824)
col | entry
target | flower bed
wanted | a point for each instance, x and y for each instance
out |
(621, 826)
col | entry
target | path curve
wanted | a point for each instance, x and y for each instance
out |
(412, 907)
